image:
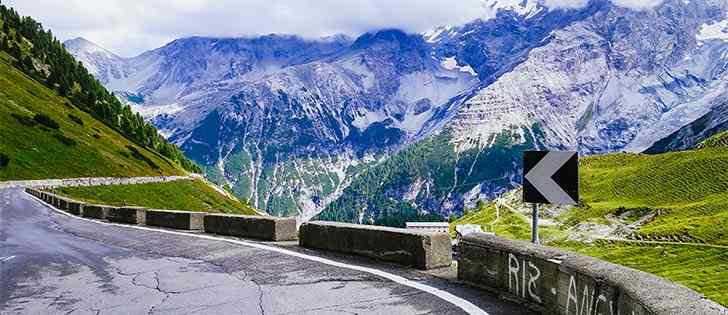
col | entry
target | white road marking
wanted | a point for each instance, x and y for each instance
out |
(8, 258)
(463, 304)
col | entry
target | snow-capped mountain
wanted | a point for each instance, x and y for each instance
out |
(284, 120)
(611, 79)
(616, 80)
(103, 64)
(290, 123)
(691, 135)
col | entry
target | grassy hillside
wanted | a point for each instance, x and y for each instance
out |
(686, 242)
(36, 70)
(717, 141)
(702, 268)
(193, 195)
(689, 189)
(43, 135)
(505, 223)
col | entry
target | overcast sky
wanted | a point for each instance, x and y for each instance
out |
(129, 27)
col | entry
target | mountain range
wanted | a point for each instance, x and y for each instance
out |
(392, 126)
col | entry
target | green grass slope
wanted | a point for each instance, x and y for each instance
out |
(689, 189)
(717, 141)
(192, 195)
(701, 268)
(689, 236)
(505, 223)
(80, 146)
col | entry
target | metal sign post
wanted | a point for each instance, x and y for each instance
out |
(534, 224)
(549, 177)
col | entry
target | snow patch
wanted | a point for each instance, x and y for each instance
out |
(433, 36)
(450, 63)
(718, 30)
(364, 120)
(154, 111)
(525, 8)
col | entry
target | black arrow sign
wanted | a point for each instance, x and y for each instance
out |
(551, 177)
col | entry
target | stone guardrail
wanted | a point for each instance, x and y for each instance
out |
(423, 250)
(182, 220)
(262, 227)
(96, 211)
(552, 281)
(128, 215)
(92, 181)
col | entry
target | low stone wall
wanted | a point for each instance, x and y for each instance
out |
(128, 215)
(59, 202)
(262, 227)
(74, 207)
(96, 211)
(423, 250)
(183, 220)
(552, 281)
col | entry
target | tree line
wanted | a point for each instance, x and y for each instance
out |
(42, 57)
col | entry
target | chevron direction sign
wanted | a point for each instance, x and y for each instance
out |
(551, 177)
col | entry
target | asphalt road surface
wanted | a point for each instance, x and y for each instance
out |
(52, 263)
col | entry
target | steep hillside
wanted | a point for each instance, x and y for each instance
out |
(291, 140)
(689, 136)
(664, 213)
(192, 195)
(682, 196)
(719, 140)
(426, 181)
(37, 54)
(688, 192)
(586, 87)
(43, 135)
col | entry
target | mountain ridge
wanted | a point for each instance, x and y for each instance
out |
(585, 79)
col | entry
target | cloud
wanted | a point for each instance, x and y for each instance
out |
(565, 4)
(129, 27)
(637, 4)
(576, 4)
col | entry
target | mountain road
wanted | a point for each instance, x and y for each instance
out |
(51, 262)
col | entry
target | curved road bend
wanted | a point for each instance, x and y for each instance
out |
(54, 263)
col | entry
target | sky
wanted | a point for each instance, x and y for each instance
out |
(130, 27)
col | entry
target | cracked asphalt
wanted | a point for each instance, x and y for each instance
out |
(51, 263)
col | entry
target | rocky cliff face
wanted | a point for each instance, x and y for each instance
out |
(615, 80)
(298, 125)
(285, 121)
(694, 133)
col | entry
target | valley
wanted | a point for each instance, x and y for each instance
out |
(291, 124)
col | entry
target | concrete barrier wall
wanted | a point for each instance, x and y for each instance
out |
(96, 211)
(423, 250)
(262, 227)
(56, 202)
(552, 281)
(128, 215)
(184, 220)
(74, 207)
